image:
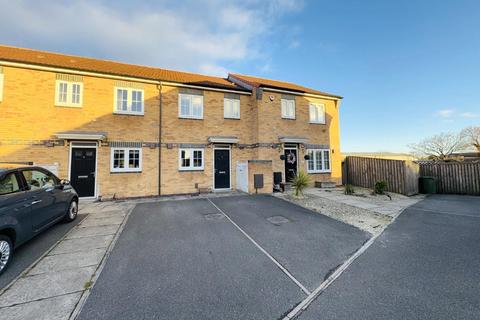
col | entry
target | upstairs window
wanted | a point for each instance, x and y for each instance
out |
(128, 101)
(190, 106)
(68, 94)
(231, 106)
(319, 161)
(317, 113)
(190, 159)
(288, 108)
(126, 160)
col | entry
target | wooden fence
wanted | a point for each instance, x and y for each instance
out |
(401, 176)
(454, 177)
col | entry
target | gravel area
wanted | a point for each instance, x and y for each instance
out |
(363, 219)
(363, 209)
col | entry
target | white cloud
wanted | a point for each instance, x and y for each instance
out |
(470, 115)
(194, 36)
(445, 113)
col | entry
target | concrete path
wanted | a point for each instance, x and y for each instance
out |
(52, 287)
(31, 251)
(217, 259)
(424, 266)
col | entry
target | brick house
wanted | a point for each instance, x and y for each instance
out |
(117, 130)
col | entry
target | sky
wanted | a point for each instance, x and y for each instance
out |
(406, 69)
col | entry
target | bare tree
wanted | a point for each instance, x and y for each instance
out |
(440, 146)
(472, 136)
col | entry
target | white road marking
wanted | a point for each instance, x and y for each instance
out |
(306, 302)
(284, 270)
(302, 306)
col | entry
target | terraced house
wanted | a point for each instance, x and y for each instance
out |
(117, 130)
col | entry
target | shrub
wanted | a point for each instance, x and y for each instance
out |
(300, 182)
(380, 187)
(349, 190)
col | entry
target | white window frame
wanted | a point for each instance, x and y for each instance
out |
(316, 105)
(129, 101)
(69, 97)
(323, 161)
(191, 167)
(190, 97)
(126, 161)
(235, 103)
(2, 81)
(285, 105)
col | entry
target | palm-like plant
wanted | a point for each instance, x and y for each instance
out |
(300, 182)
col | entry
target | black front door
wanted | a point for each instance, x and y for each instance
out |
(290, 164)
(82, 174)
(222, 169)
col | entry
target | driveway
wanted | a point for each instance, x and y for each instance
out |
(242, 257)
(426, 265)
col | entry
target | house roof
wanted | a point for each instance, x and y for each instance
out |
(50, 59)
(276, 84)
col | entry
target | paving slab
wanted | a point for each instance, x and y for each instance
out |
(59, 308)
(68, 261)
(101, 221)
(46, 285)
(82, 244)
(92, 231)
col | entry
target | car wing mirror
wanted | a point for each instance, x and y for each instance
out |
(65, 182)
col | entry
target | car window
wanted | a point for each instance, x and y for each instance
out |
(9, 184)
(39, 180)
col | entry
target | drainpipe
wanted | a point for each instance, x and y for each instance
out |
(159, 87)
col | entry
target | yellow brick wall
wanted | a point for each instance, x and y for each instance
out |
(192, 131)
(271, 126)
(29, 115)
(28, 112)
(260, 167)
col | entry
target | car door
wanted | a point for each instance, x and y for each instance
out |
(42, 193)
(15, 206)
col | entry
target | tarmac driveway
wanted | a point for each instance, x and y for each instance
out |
(240, 257)
(426, 265)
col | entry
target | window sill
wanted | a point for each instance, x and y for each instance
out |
(136, 171)
(317, 123)
(283, 118)
(313, 172)
(231, 118)
(191, 170)
(126, 113)
(68, 106)
(189, 118)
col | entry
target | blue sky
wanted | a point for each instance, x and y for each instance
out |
(407, 69)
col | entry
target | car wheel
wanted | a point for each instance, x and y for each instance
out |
(6, 252)
(72, 211)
